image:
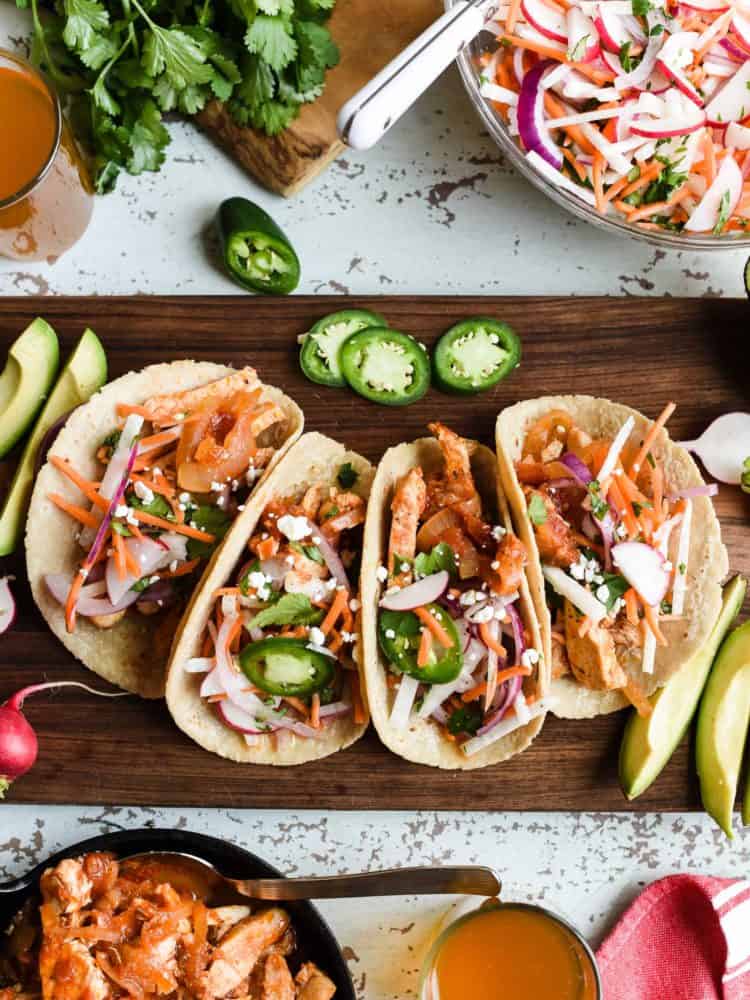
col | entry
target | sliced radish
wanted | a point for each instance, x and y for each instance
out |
(530, 34)
(679, 79)
(732, 102)
(726, 191)
(89, 603)
(677, 53)
(238, 720)
(741, 25)
(546, 20)
(737, 136)
(583, 38)
(7, 604)
(673, 125)
(634, 28)
(416, 595)
(643, 568)
(532, 127)
(639, 76)
(711, 6)
(612, 29)
(560, 179)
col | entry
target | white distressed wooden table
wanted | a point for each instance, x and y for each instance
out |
(432, 210)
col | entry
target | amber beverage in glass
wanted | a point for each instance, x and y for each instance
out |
(46, 199)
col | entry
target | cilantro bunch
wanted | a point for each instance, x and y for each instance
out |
(123, 63)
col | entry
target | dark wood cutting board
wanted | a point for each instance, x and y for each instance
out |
(639, 351)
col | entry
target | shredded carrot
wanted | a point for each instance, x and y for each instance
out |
(475, 692)
(78, 513)
(126, 409)
(360, 715)
(648, 441)
(631, 606)
(643, 179)
(335, 641)
(234, 630)
(512, 17)
(86, 486)
(182, 570)
(228, 592)
(297, 704)
(428, 619)
(656, 207)
(491, 642)
(624, 509)
(70, 604)
(425, 647)
(558, 111)
(131, 563)
(597, 171)
(267, 548)
(119, 556)
(315, 711)
(180, 529)
(575, 164)
(337, 607)
(159, 440)
(502, 676)
(652, 619)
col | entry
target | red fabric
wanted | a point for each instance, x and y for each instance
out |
(685, 937)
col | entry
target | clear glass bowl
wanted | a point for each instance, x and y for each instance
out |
(467, 64)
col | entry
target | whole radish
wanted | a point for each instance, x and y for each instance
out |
(18, 742)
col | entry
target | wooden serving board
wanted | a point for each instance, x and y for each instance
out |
(642, 352)
(369, 33)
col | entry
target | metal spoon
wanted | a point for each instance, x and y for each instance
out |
(466, 879)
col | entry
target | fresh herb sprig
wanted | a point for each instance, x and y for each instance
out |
(123, 63)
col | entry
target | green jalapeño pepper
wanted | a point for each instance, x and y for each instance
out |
(319, 357)
(475, 355)
(399, 635)
(256, 252)
(286, 667)
(385, 366)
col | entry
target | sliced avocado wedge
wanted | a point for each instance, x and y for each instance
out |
(25, 381)
(746, 802)
(84, 373)
(647, 744)
(722, 727)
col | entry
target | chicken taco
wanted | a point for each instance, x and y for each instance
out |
(626, 554)
(454, 667)
(265, 670)
(137, 491)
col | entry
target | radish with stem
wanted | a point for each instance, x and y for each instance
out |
(18, 742)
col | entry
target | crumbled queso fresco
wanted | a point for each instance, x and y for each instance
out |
(295, 528)
(587, 570)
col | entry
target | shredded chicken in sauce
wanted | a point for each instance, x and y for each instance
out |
(107, 930)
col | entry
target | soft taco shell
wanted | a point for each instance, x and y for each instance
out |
(708, 563)
(134, 653)
(423, 742)
(313, 459)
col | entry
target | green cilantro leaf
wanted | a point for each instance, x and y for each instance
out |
(311, 552)
(177, 55)
(84, 18)
(270, 38)
(290, 609)
(616, 586)
(724, 213)
(599, 506)
(208, 518)
(347, 476)
(465, 720)
(442, 557)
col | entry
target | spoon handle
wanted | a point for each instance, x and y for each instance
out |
(368, 115)
(469, 879)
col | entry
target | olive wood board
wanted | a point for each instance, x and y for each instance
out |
(638, 351)
(369, 33)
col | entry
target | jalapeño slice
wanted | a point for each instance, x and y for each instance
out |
(385, 366)
(286, 667)
(399, 634)
(475, 355)
(319, 357)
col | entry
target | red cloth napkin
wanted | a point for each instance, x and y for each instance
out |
(686, 937)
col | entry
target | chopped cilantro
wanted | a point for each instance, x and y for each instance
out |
(332, 512)
(724, 213)
(347, 476)
(214, 520)
(626, 60)
(599, 506)
(651, 460)
(616, 586)
(682, 569)
(290, 609)
(311, 551)
(665, 607)
(158, 506)
(641, 7)
(465, 720)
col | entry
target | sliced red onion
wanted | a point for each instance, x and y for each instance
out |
(416, 595)
(330, 556)
(298, 728)
(741, 25)
(731, 101)
(561, 484)
(88, 604)
(534, 133)
(275, 570)
(705, 490)
(149, 555)
(7, 604)
(162, 593)
(49, 438)
(547, 20)
(733, 50)
(578, 467)
(335, 710)
(474, 654)
(237, 719)
(211, 684)
(643, 568)
(517, 626)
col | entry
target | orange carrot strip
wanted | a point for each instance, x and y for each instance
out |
(624, 508)
(227, 592)
(659, 206)
(646, 176)
(631, 606)
(575, 164)
(425, 647)
(513, 10)
(267, 548)
(643, 451)
(157, 440)
(434, 626)
(88, 488)
(182, 570)
(180, 529)
(119, 554)
(336, 609)
(653, 623)
(79, 513)
(126, 409)
(491, 642)
(315, 711)
(476, 692)
(360, 715)
(598, 183)
(298, 704)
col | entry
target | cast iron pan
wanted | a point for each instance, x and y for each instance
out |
(315, 938)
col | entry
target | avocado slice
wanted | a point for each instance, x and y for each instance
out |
(26, 379)
(746, 803)
(84, 373)
(647, 744)
(722, 727)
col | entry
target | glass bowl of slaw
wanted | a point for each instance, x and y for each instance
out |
(470, 66)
